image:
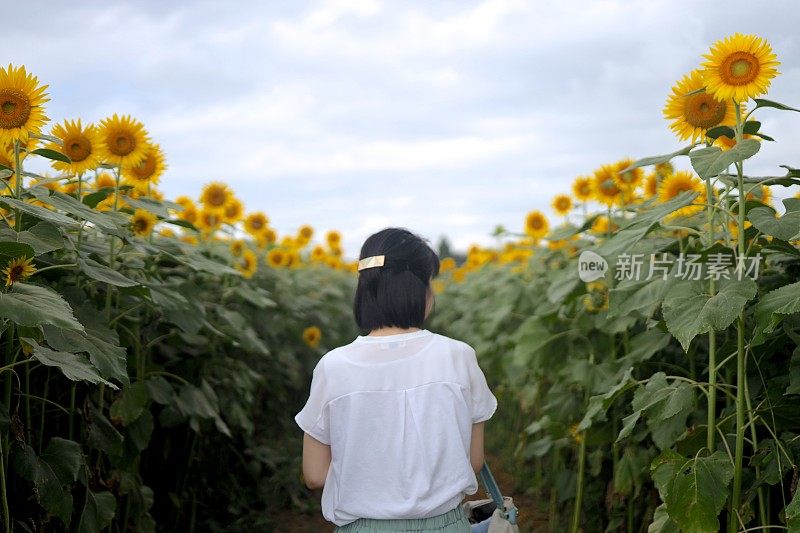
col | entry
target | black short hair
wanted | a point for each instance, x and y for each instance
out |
(395, 294)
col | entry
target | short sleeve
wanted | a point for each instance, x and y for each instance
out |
(484, 403)
(314, 417)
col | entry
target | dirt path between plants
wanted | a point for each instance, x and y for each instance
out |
(532, 519)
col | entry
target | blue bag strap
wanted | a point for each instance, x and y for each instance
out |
(494, 491)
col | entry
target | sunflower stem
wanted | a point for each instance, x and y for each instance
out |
(18, 187)
(711, 432)
(741, 361)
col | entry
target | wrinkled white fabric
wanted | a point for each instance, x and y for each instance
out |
(397, 412)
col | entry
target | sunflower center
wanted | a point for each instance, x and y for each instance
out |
(140, 224)
(740, 68)
(15, 108)
(15, 272)
(146, 168)
(702, 111)
(77, 148)
(122, 143)
(217, 198)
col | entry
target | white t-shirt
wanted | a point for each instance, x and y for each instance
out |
(397, 412)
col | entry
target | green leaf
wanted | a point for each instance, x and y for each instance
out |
(562, 283)
(656, 159)
(101, 272)
(130, 405)
(710, 162)
(73, 366)
(630, 471)
(65, 458)
(694, 490)
(42, 213)
(719, 131)
(12, 250)
(762, 102)
(794, 373)
(793, 513)
(109, 222)
(43, 237)
(153, 206)
(662, 523)
(180, 222)
(49, 490)
(52, 154)
(689, 311)
(785, 228)
(160, 390)
(102, 435)
(98, 512)
(141, 430)
(100, 342)
(781, 301)
(96, 197)
(599, 404)
(32, 305)
(751, 127)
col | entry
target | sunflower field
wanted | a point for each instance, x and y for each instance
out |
(643, 352)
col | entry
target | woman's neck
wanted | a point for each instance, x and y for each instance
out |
(390, 330)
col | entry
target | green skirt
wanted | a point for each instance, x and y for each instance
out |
(454, 521)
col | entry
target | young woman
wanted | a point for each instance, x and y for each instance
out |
(394, 420)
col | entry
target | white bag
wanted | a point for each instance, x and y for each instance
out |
(503, 517)
(498, 523)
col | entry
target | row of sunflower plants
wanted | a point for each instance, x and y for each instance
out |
(148, 375)
(648, 354)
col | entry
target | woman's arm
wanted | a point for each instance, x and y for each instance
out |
(476, 447)
(316, 461)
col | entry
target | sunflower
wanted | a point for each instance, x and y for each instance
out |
(536, 224)
(248, 263)
(255, 223)
(562, 204)
(189, 214)
(233, 211)
(596, 299)
(21, 101)
(268, 236)
(143, 222)
(125, 140)
(312, 335)
(293, 259)
(651, 185)
(18, 269)
(336, 251)
(237, 247)
(166, 232)
(215, 196)
(693, 114)
(208, 221)
(606, 190)
(306, 232)
(447, 264)
(148, 171)
(764, 195)
(739, 67)
(333, 238)
(104, 179)
(582, 188)
(81, 144)
(627, 180)
(726, 143)
(276, 258)
(601, 225)
(317, 253)
(676, 184)
(664, 169)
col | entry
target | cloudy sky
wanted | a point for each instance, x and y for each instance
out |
(446, 117)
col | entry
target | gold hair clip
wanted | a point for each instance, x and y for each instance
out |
(369, 262)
